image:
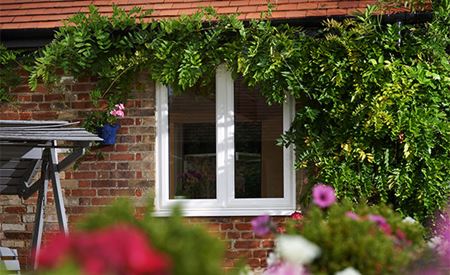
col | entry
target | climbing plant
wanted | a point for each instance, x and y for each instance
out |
(9, 77)
(372, 99)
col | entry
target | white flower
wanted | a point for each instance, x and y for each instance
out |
(409, 220)
(296, 249)
(272, 259)
(348, 271)
(434, 242)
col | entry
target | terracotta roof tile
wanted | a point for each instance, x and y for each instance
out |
(348, 4)
(295, 14)
(316, 13)
(247, 9)
(307, 6)
(336, 12)
(19, 14)
(328, 5)
(6, 19)
(287, 7)
(252, 15)
(226, 10)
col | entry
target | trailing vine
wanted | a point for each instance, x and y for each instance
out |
(9, 78)
(373, 100)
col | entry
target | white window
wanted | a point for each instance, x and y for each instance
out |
(216, 151)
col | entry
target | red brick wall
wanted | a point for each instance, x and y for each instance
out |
(125, 169)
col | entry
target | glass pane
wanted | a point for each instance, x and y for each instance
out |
(258, 160)
(192, 145)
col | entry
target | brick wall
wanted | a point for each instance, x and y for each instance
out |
(123, 170)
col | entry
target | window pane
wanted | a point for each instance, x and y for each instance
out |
(192, 145)
(258, 160)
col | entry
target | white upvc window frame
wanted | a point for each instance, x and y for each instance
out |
(225, 204)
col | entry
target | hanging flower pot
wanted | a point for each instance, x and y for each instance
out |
(108, 133)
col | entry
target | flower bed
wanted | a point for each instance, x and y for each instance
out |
(344, 239)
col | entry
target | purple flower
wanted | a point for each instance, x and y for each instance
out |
(352, 215)
(261, 225)
(323, 195)
(380, 220)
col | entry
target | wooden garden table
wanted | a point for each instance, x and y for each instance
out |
(26, 146)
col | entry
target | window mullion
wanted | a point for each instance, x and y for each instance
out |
(162, 148)
(288, 153)
(224, 135)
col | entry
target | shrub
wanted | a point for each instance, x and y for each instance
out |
(330, 239)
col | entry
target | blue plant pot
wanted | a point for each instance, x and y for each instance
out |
(108, 133)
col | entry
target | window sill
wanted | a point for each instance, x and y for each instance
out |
(227, 212)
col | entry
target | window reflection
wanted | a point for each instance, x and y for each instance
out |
(192, 145)
(258, 160)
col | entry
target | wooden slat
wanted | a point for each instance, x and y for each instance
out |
(50, 126)
(17, 152)
(8, 252)
(14, 164)
(9, 190)
(12, 265)
(15, 130)
(68, 138)
(32, 122)
(46, 129)
(47, 133)
(6, 181)
(12, 173)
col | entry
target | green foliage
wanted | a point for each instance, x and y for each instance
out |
(373, 100)
(8, 73)
(361, 244)
(3, 270)
(375, 121)
(192, 250)
(412, 5)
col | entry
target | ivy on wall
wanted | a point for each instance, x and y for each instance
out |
(373, 100)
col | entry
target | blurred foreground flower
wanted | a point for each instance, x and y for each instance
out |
(262, 225)
(296, 216)
(348, 271)
(117, 250)
(285, 268)
(296, 250)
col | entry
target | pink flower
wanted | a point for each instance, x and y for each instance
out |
(261, 225)
(119, 106)
(120, 113)
(281, 230)
(117, 250)
(401, 235)
(285, 268)
(296, 216)
(55, 252)
(352, 215)
(381, 222)
(323, 195)
(117, 113)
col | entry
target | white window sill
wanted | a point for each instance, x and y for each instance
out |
(226, 212)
